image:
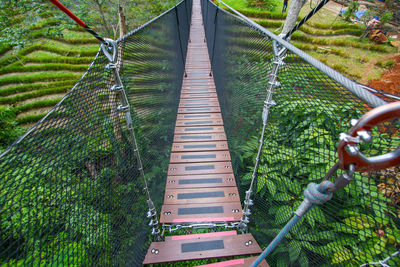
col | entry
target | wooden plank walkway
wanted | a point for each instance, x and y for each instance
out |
(200, 186)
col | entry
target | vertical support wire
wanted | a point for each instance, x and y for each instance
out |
(125, 107)
(180, 42)
(186, 13)
(279, 55)
(206, 19)
(215, 36)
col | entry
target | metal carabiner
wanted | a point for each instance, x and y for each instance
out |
(360, 132)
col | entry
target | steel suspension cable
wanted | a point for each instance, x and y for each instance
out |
(353, 87)
(309, 15)
(79, 21)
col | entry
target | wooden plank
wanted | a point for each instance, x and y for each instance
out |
(200, 213)
(201, 248)
(201, 195)
(199, 110)
(202, 91)
(211, 116)
(202, 104)
(198, 95)
(199, 121)
(203, 85)
(197, 88)
(199, 168)
(202, 235)
(203, 70)
(209, 156)
(199, 146)
(200, 181)
(202, 82)
(198, 100)
(196, 137)
(246, 262)
(199, 129)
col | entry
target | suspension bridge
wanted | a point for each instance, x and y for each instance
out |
(202, 139)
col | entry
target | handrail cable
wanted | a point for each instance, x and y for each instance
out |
(78, 21)
(307, 17)
(352, 86)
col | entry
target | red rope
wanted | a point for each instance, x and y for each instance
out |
(68, 12)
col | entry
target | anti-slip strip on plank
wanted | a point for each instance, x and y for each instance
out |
(188, 123)
(194, 129)
(199, 110)
(199, 105)
(199, 146)
(202, 235)
(199, 130)
(196, 137)
(185, 117)
(199, 168)
(201, 181)
(193, 95)
(199, 120)
(206, 99)
(200, 210)
(202, 246)
(196, 213)
(209, 156)
(198, 91)
(201, 195)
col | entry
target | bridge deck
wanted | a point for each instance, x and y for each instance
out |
(200, 186)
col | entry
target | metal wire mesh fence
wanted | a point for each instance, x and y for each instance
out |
(70, 192)
(361, 223)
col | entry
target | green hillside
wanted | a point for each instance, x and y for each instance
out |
(36, 77)
(328, 38)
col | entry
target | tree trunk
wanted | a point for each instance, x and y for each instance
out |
(112, 98)
(293, 13)
(103, 17)
(122, 22)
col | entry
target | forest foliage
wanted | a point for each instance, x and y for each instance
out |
(18, 18)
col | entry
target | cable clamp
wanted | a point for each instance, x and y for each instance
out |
(153, 222)
(245, 220)
(275, 83)
(116, 88)
(155, 231)
(249, 202)
(111, 66)
(122, 108)
(247, 213)
(151, 213)
(280, 62)
(270, 103)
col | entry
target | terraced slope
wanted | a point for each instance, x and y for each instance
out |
(35, 78)
(332, 41)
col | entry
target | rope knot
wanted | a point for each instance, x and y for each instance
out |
(317, 193)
